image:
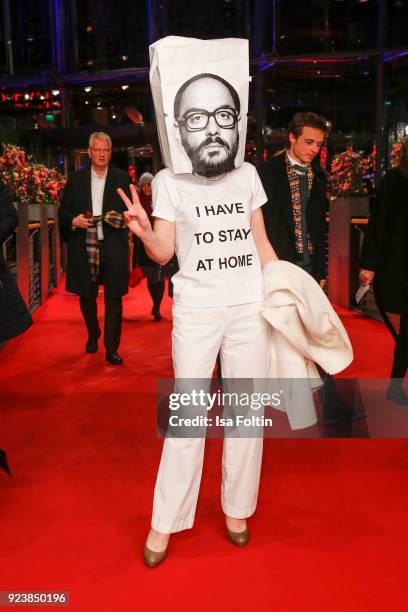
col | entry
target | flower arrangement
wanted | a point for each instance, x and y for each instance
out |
(351, 174)
(30, 183)
(395, 152)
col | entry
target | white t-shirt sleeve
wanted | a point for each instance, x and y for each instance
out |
(258, 193)
(164, 197)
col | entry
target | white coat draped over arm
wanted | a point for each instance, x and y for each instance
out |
(305, 330)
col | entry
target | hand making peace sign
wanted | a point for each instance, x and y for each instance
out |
(135, 216)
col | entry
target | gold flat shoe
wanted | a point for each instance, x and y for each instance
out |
(153, 558)
(239, 538)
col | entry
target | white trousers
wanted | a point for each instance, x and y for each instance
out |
(240, 334)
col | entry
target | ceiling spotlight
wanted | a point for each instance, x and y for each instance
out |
(99, 107)
(113, 116)
(55, 92)
(124, 87)
(124, 57)
(86, 101)
(88, 88)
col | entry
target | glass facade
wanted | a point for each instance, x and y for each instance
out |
(30, 22)
(343, 92)
(111, 34)
(77, 64)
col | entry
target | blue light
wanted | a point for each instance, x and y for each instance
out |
(265, 66)
(57, 36)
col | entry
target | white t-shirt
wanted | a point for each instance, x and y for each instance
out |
(97, 189)
(293, 162)
(218, 260)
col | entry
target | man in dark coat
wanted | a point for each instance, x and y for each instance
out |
(384, 260)
(92, 223)
(14, 315)
(296, 188)
(295, 219)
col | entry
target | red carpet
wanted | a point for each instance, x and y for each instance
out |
(330, 532)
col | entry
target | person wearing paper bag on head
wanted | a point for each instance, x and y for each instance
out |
(217, 303)
(384, 262)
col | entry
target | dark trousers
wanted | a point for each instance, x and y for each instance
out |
(400, 362)
(156, 291)
(113, 312)
(113, 319)
(331, 400)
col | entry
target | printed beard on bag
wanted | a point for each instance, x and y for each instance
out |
(200, 94)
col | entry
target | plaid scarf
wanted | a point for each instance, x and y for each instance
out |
(116, 220)
(297, 205)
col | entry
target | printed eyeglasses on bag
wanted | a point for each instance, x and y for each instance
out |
(197, 120)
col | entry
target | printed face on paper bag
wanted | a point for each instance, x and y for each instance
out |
(206, 113)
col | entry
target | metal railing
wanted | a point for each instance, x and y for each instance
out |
(33, 253)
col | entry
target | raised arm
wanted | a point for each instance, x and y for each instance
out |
(263, 246)
(159, 240)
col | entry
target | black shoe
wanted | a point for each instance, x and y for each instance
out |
(156, 314)
(3, 462)
(92, 344)
(395, 393)
(113, 358)
(341, 415)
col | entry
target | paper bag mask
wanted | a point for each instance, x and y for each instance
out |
(205, 82)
